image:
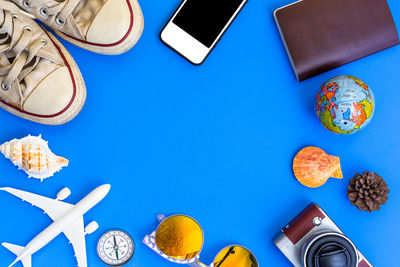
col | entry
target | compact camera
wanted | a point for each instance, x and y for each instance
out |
(312, 239)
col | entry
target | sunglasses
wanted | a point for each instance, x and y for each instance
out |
(179, 239)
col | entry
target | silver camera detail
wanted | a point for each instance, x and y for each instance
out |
(312, 239)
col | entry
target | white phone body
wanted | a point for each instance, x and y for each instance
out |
(185, 44)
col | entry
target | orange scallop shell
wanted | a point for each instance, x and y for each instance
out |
(313, 167)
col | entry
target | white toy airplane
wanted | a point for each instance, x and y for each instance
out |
(68, 219)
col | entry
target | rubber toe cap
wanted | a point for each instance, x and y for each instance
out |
(111, 24)
(52, 95)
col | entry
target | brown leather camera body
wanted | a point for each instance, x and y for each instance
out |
(312, 239)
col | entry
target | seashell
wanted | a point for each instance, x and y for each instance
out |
(32, 155)
(313, 167)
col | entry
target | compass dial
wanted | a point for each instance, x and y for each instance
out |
(115, 248)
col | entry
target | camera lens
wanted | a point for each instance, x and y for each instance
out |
(330, 250)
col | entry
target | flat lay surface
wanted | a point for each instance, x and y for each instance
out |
(215, 142)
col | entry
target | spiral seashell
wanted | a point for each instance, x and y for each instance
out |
(313, 167)
(32, 155)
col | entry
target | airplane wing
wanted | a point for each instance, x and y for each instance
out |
(76, 235)
(75, 232)
(54, 208)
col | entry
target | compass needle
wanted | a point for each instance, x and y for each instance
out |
(115, 248)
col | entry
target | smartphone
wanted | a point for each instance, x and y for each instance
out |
(198, 25)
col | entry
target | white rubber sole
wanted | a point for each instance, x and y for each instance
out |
(126, 45)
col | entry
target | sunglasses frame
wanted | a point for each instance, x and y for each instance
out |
(150, 241)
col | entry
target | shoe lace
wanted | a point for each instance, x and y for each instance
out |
(18, 48)
(60, 9)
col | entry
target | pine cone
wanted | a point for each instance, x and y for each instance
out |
(368, 191)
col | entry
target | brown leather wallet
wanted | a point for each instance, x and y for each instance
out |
(320, 35)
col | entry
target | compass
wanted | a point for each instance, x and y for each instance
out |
(115, 248)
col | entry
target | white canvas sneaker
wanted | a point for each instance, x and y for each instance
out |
(102, 26)
(39, 79)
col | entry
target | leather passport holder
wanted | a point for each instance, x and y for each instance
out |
(320, 35)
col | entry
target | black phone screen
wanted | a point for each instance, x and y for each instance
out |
(205, 19)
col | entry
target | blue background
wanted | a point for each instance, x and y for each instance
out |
(215, 142)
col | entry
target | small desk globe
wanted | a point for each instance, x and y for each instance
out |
(345, 104)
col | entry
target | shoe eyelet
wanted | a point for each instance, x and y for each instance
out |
(25, 4)
(4, 87)
(27, 28)
(43, 12)
(44, 41)
(15, 16)
(60, 22)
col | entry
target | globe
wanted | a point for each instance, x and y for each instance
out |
(345, 104)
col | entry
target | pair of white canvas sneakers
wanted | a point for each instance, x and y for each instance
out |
(39, 79)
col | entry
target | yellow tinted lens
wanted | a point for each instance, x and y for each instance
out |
(235, 256)
(179, 237)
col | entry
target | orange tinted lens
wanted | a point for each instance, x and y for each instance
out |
(179, 237)
(235, 256)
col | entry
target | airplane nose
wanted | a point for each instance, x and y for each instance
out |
(100, 192)
(106, 188)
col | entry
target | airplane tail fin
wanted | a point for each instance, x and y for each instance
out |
(26, 260)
